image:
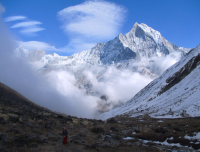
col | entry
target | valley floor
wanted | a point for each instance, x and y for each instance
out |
(25, 126)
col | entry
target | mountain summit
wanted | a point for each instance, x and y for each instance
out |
(141, 41)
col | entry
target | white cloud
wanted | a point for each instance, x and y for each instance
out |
(28, 27)
(99, 19)
(92, 21)
(77, 45)
(158, 64)
(14, 18)
(74, 45)
(64, 83)
(33, 45)
(119, 86)
(31, 30)
(26, 24)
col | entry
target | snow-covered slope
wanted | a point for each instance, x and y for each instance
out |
(122, 52)
(176, 93)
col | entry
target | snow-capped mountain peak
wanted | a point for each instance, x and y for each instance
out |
(124, 53)
(155, 34)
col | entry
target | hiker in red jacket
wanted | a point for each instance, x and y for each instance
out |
(65, 133)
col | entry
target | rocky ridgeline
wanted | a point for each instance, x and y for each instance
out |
(25, 126)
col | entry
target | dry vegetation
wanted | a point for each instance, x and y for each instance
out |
(24, 126)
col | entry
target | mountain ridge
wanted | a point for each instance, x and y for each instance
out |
(141, 41)
(173, 94)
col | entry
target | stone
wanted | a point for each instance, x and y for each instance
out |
(112, 120)
(106, 145)
(14, 119)
(32, 138)
(77, 142)
(3, 122)
(53, 143)
(107, 138)
(117, 137)
(42, 139)
(47, 125)
(161, 130)
(114, 129)
(9, 130)
(33, 146)
(75, 137)
(68, 119)
(97, 130)
(20, 141)
(30, 124)
(60, 116)
(16, 131)
(3, 137)
(54, 138)
(128, 131)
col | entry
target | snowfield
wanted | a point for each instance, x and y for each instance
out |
(174, 94)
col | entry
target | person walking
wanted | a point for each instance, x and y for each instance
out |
(65, 133)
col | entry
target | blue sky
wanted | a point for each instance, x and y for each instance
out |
(67, 27)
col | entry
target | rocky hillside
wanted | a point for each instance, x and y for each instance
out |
(25, 126)
(174, 94)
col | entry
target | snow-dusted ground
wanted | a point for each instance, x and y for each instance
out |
(167, 145)
(196, 136)
(181, 99)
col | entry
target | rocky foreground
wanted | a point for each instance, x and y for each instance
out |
(25, 126)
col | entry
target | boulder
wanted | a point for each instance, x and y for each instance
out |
(75, 137)
(97, 130)
(42, 139)
(20, 141)
(14, 119)
(9, 130)
(3, 137)
(114, 129)
(30, 124)
(112, 120)
(16, 131)
(106, 145)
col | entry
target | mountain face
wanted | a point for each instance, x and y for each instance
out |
(122, 52)
(176, 93)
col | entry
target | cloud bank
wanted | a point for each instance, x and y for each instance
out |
(42, 90)
(118, 86)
